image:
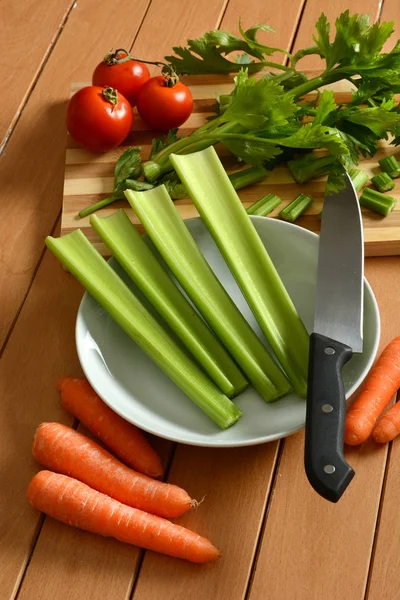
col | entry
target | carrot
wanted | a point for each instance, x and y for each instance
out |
(381, 384)
(389, 426)
(62, 449)
(123, 438)
(76, 504)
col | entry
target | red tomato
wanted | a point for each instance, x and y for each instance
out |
(127, 77)
(163, 107)
(96, 122)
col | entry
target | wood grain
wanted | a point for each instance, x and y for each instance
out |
(385, 571)
(320, 549)
(385, 574)
(22, 52)
(89, 178)
(310, 548)
(31, 171)
(235, 483)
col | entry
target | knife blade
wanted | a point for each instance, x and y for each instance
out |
(338, 327)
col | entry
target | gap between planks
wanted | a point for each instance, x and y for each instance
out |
(265, 516)
(31, 87)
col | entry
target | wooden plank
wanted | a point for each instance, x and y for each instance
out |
(236, 484)
(384, 578)
(385, 570)
(31, 192)
(41, 349)
(311, 548)
(313, 10)
(23, 54)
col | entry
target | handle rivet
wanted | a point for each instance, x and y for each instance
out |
(327, 408)
(329, 469)
(329, 350)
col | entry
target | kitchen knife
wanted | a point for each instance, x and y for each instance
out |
(338, 326)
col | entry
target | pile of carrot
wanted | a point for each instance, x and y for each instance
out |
(382, 383)
(87, 487)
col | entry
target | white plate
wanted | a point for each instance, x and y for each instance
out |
(132, 385)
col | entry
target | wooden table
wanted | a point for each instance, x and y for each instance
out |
(279, 540)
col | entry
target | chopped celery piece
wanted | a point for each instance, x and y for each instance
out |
(172, 238)
(84, 262)
(136, 258)
(248, 176)
(295, 209)
(390, 165)
(377, 201)
(225, 217)
(359, 178)
(309, 166)
(383, 182)
(264, 206)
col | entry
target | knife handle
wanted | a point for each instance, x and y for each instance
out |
(326, 468)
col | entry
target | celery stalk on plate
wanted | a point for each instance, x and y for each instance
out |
(220, 207)
(136, 258)
(101, 281)
(172, 239)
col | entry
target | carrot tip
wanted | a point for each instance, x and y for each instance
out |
(62, 382)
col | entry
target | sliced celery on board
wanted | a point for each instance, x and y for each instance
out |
(135, 257)
(264, 206)
(101, 281)
(172, 239)
(223, 213)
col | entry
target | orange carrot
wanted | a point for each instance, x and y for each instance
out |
(76, 504)
(124, 439)
(389, 426)
(62, 449)
(381, 384)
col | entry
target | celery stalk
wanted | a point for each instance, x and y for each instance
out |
(390, 165)
(359, 178)
(136, 258)
(84, 262)
(224, 215)
(264, 206)
(309, 166)
(295, 209)
(248, 176)
(383, 182)
(377, 201)
(168, 232)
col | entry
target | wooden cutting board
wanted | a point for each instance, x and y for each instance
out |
(89, 177)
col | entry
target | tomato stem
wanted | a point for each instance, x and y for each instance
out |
(110, 95)
(114, 57)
